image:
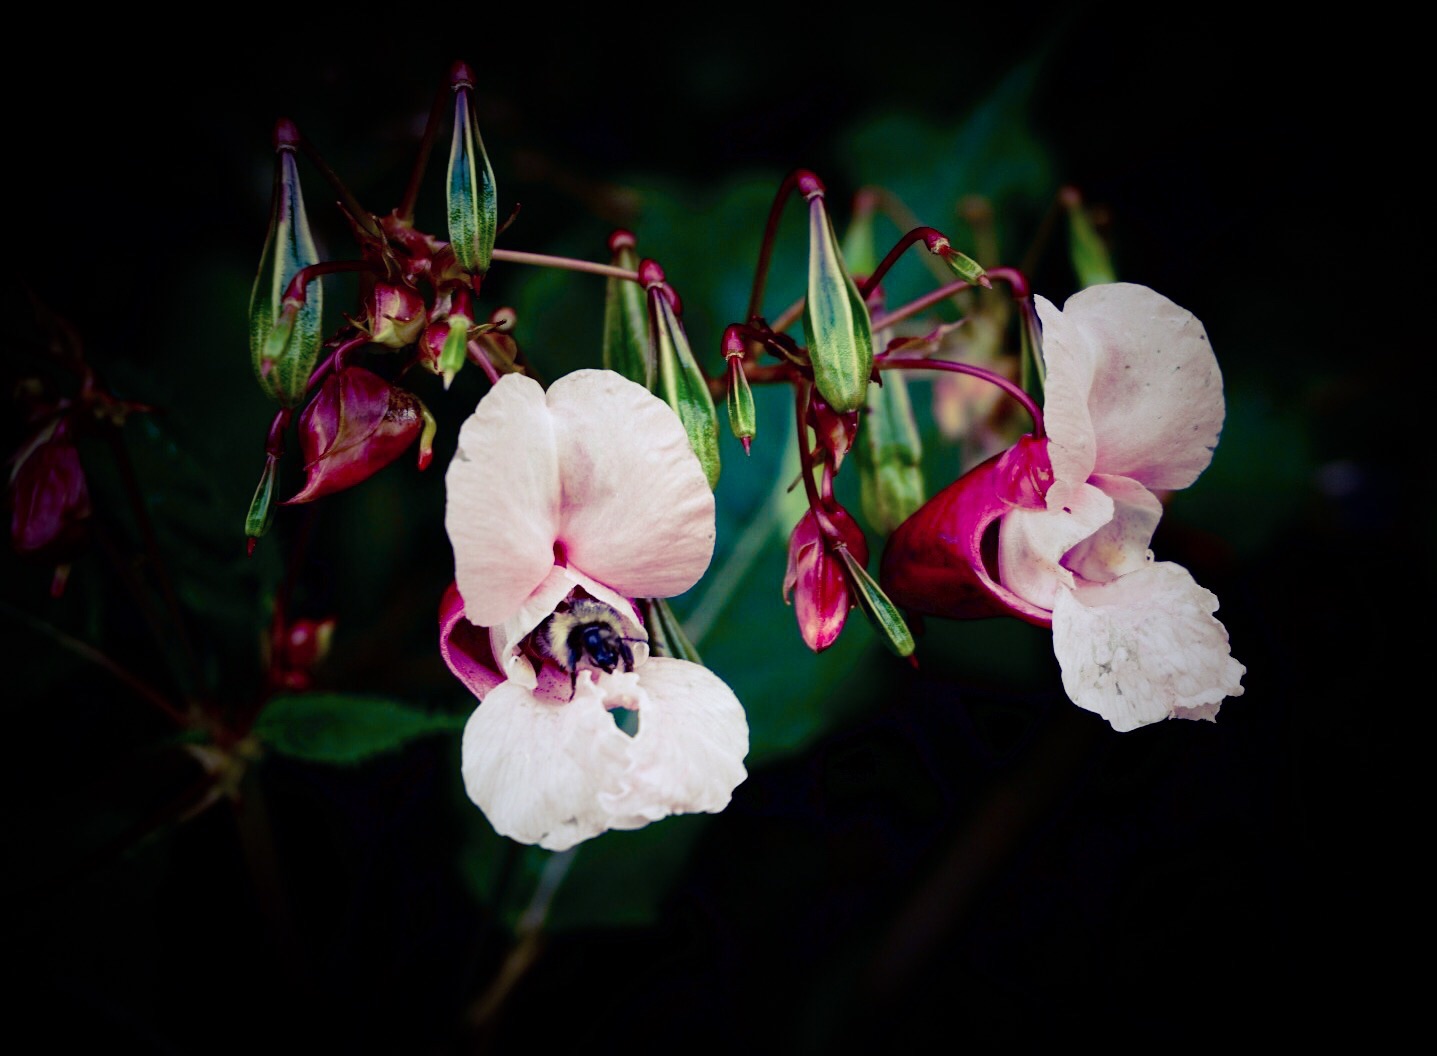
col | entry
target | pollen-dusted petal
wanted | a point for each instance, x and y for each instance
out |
(1156, 400)
(527, 764)
(1144, 647)
(465, 647)
(1070, 359)
(689, 749)
(1121, 545)
(1031, 543)
(638, 513)
(503, 500)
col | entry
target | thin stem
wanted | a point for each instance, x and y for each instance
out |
(156, 563)
(544, 260)
(341, 349)
(426, 147)
(770, 232)
(297, 290)
(88, 652)
(927, 234)
(789, 315)
(883, 363)
(912, 308)
(347, 200)
(478, 355)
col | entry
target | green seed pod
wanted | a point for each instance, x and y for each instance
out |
(261, 507)
(473, 200)
(680, 382)
(627, 350)
(881, 613)
(284, 339)
(890, 452)
(835, 319)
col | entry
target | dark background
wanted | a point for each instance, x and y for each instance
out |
(952, 862)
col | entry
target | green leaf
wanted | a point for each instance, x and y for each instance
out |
(1089, 254)
(666, 634)
(882, 613)
(345, 729)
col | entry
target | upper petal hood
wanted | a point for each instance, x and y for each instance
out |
(1133, 388)
(598, 465)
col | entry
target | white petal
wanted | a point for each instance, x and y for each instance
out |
(1155, 398)
(1121, 545)
(689, 749)
(528, 764)
(503, 504)
(638, 511)
(1031, 543)
(1144, 647)
(1069, 358)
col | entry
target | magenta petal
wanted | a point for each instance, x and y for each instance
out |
(356, 425)
(465, 647)
(934, 563)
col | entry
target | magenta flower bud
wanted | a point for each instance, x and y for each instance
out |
(816, 581)
(356, 426)
(396, 315)
(299, 647)
(49, 499)
(835, 431)
(934, 561)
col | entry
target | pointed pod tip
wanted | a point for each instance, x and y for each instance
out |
(985, 282)
(809, 185)
(747, 442)
(622, 239)
(249, 545)
(650, 274)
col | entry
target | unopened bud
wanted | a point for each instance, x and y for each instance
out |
(283, 362)
(835, 319)
(835, 431)
(49, 496)
(962, 265)
(816, 580)
(356, 425)
(261, 506)
(396, 315)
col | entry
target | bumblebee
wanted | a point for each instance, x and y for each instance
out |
(587, 632)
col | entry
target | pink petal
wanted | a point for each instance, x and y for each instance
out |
(1155, 394)
(1032, 543)
(1121, 545)
(688, 752)
(638, 514)
(503, 510)
(530, 764)
(465, 647)
(1144, 647)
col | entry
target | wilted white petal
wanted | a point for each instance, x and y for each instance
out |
(689, 749)
(529, 763)
(1144, 647)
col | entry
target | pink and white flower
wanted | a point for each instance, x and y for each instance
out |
(587, 491)
(1133, 405)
